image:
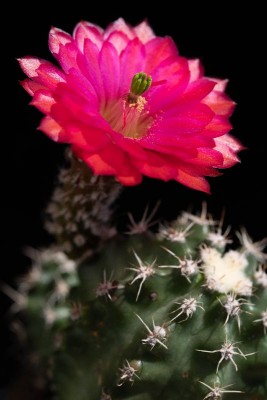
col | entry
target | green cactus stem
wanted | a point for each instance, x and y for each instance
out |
(173, 314)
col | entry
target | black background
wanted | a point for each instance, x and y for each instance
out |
(230, 41)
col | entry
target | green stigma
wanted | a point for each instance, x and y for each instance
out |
(140, 83)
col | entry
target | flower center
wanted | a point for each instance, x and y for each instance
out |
(128, 115)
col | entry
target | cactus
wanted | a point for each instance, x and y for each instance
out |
(173, 311)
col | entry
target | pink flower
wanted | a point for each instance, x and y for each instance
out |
(175, 128)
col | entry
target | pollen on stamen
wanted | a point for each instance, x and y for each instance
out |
(133, 101)
(137, 102)
(129, 114)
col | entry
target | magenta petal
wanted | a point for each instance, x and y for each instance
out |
(195, 91)
(189, 121)
(119, 40)
(43, 100)
(158, 50)
(234, 145)
(64, 49)
(173, 147)
(130, 180)
(57, 39)
(97, 162)
(31, 86)
(194, 182)
(209, 157)
(90, 66)
(228, 146)
(174, 141)
(121, 26)
(30, 65)
(133, 147)
(175, 75)
(220, 85)
(51, 128)
(81, 87)
(171, 70)
(85, 30)
(108, 161)
(42, 71)
(132, 61)
(148, 162)
(49, 75)
(144, 32)
(89, 140)
(196, 69)
(217, 127)
(70, 106)
(155, 165)
(67, 56)
(220, 103)
(110, 70)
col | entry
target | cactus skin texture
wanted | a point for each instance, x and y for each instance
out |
(169, 314)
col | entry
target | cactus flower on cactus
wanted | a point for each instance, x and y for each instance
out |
(130, 105)
(171, 310)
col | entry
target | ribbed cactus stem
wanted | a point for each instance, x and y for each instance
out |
(79, 214)
(173, 314)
